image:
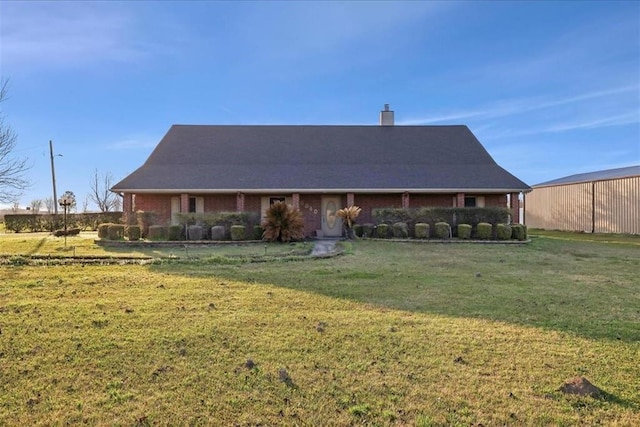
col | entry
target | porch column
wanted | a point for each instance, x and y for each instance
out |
(239, 202)
(127, 207)
(184, 203)
(295, 200)
(460, 200)
(351, 199)
(515, 208)
(405, 200)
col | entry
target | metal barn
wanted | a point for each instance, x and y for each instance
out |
(597, 202)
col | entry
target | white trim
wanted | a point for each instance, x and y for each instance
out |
(280, 191)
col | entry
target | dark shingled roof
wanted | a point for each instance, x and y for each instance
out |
(311, 158)
(593, 176)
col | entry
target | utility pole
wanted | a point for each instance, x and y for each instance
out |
(53, 179)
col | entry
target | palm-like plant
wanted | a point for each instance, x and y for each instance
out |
(349, 215)
(282, 223)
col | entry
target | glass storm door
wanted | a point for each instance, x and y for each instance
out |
(331, 222)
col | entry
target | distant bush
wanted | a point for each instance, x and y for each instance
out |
(51, 222)
(400, 230)
(464, 231)
(382, 231)
(442, 230)
(503, 231)
(237, 232)
(157, 232)
(133, 232)
(115, 232)
(175, 232)
(484, 231)
(68, 232)
(421, 230)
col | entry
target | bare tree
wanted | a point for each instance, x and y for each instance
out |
(36, 205)
(48, 204)
(100, 194)
(12, 169)
(85, 204)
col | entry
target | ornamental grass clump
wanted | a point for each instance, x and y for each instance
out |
(283, 223)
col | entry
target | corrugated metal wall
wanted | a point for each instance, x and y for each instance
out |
(611, 206)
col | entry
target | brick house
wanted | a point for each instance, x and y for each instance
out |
(317, 169)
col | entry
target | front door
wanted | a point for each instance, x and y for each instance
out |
(331, 222)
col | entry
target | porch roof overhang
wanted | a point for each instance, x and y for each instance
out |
(324, 191)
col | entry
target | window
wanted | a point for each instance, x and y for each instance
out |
(196, 204)
(469, 202)
(272, 200)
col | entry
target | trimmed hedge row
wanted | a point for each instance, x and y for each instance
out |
(50, 222)
(452, 216)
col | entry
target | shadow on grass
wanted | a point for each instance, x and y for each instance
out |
(548, 284)
(38, 246)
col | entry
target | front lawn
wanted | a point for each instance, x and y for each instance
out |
(387, 334)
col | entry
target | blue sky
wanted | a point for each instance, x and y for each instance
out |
(549, 88)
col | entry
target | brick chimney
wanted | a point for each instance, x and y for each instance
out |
(386, 116)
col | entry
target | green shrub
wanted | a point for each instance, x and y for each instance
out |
(257, 232)
(503, 231)
(115, 231)
(517, 232)
(133, 232)
(217, 232)
(421, 230)
(464, 231)
(157, 232)
(145, 220)
(175, 232)
(526, 233)
(237, 232)
(412, 216)
(357, 229)
(103, 230)
(194, 232)
(382, 231)
(484, 231)
(400, 230)
(442, 230)
(367, 230)
(283, 223)
(68, 232)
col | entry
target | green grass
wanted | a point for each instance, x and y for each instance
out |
(387, 334)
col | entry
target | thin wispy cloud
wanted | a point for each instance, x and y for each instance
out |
(132, 144)
(68, 34)
(519, 106)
